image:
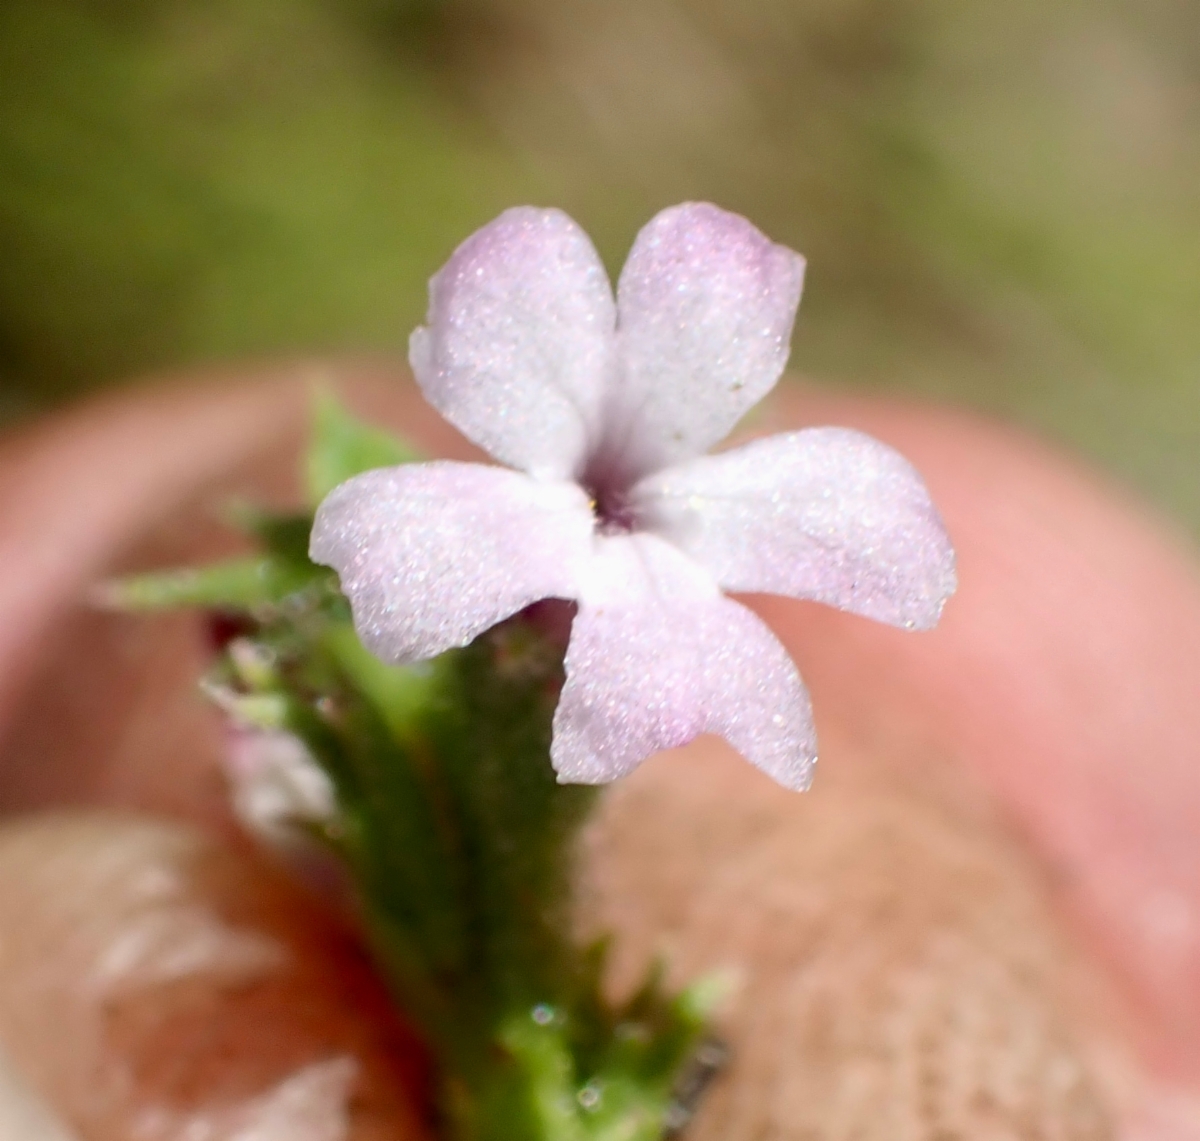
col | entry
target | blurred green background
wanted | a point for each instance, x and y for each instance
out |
(1000, 201)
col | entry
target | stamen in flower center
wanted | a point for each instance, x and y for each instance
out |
(613, 511)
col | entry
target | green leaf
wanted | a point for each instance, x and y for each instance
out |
(283, 535)
(549, 1070)
(343, 447)
(238, 583)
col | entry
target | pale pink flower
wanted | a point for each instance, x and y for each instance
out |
(277, 785)
(602, 410)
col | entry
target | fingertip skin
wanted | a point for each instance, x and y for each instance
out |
(1063, 675)
(148, 974)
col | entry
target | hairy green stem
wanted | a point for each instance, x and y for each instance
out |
(458, 838)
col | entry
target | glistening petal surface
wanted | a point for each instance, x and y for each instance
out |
(658, 656)
(518, 349)
(430, 555)
(826, 513)
(705, 306)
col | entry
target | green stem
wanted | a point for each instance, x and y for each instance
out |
(460, 841)
(463, 843)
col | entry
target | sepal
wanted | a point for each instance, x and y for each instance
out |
(344, 446)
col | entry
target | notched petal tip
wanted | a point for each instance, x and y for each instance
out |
(658, 657)
(828, 514)
(706, 306)
(517, 347)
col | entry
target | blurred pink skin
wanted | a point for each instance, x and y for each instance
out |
(1064, 676)
(605, 407)
(79, 488)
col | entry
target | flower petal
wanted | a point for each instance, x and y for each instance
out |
(658, 656)
(827, 513)
(430, 555)
(519, 346)
(706, 304)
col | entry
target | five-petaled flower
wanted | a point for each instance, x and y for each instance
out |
(603, 409)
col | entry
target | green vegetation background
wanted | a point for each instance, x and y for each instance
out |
(1000, 202)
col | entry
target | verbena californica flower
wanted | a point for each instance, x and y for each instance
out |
(602, 410)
